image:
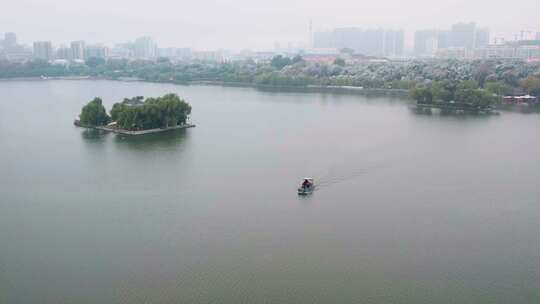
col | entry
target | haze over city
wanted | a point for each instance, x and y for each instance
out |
(216, 24)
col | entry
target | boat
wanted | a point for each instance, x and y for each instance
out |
(307, 186)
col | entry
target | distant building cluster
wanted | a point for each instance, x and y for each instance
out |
(467, 41)
(461, 38)
(370, 42)
(80, 51)
(11, 50)
(460, 41)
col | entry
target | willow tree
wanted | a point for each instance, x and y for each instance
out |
(94, 114)
(162, 112)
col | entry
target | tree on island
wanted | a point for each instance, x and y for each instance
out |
(531, 85)
(465, 93)
(94, 114)
(422, 94)
(498, 88)
(162, 112)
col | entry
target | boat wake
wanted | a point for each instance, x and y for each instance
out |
(347, 172)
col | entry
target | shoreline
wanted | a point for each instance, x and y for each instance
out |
(137, 132)
(352, 90)
(142, 132)
(348, 90)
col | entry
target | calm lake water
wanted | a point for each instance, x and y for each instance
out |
(410, 209)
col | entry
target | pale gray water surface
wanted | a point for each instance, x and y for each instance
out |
(410, 209)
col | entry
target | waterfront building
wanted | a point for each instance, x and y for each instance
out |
(18, 54)
(43, 50)
(77, 50)
(63, 52)
(145, 48)
(96, 51)
(122, 50)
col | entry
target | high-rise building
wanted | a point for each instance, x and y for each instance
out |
(10, 39)
(77, 50)
(351, 38)
(481, 38)
(43, 50)
(461, 39)
(63, 52)
(96, 51)
(393, 43)
(444, 39)
(323, 40)
(372, 42)
(174, 53)
(145, 48)
(426, 42)
(463, 35)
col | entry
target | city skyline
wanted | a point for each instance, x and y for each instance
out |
(409, 38)
(215, 24)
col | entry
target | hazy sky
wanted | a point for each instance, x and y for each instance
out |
(237, 24)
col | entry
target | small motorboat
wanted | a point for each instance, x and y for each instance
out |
(307, 186)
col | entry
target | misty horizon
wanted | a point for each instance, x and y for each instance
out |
(215, 24)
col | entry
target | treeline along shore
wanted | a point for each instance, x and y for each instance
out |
(496, 77)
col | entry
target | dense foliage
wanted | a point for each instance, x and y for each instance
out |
(466, 93)
(501, 76)
(94, 114)
(166, 111)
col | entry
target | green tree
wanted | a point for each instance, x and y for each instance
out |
(339, 61)
(531, 85)
(466, 92)
(422, 94)
(166, 111)
(498, 88)
(279, 62)
(94, 113)
(297, 59)
(93, 62)
(443, 90)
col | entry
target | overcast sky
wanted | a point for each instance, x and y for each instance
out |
(237, 24)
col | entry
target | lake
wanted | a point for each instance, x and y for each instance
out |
(409, 209)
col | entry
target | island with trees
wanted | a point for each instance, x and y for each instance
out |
(136, 116)
(463, 97)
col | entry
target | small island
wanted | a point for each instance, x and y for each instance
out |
(464, 97)
(137, 116)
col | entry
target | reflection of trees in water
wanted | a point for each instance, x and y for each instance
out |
(165, 140)
(93, 135)
(148, 142)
